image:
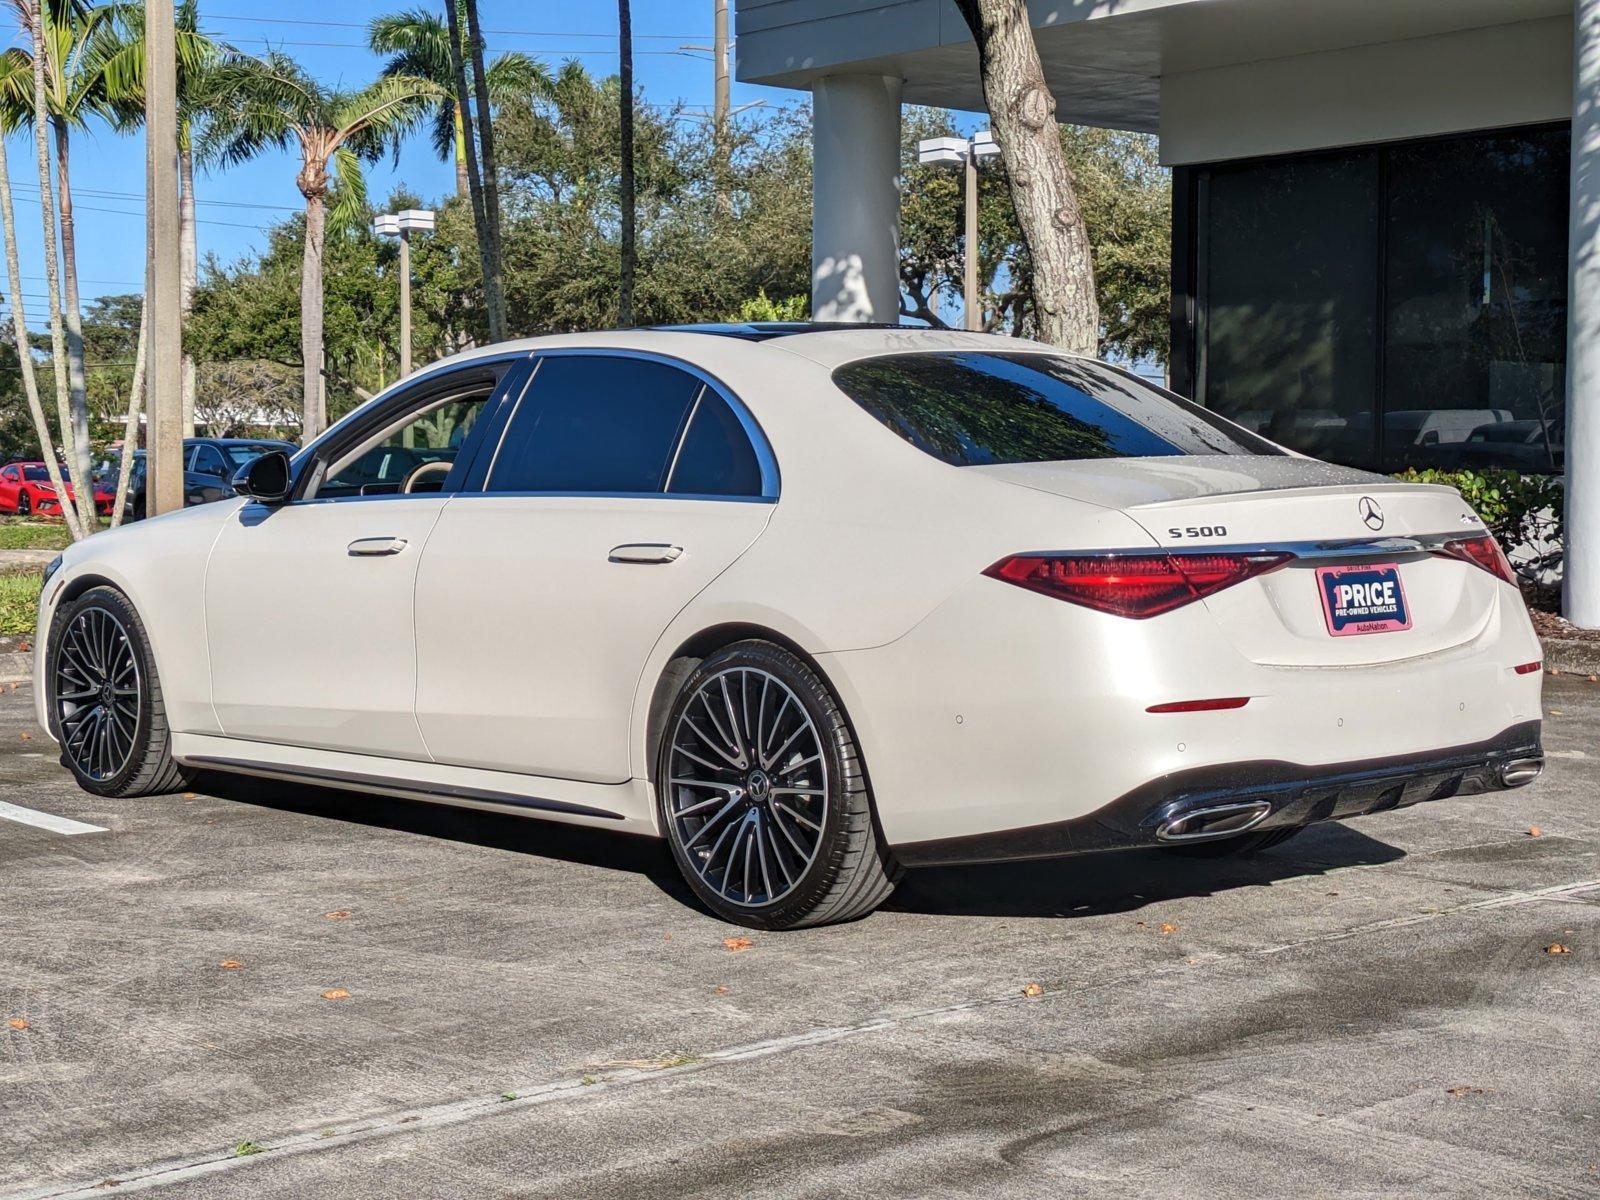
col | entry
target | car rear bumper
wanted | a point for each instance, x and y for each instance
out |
(1276, 795)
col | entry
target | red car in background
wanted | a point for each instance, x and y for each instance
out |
(25, 488)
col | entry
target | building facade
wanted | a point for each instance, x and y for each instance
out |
(1386, 213)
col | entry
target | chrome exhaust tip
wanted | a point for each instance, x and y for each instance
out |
(1215, 821)
(1519, 772)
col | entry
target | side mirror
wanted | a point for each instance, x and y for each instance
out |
(264, 480)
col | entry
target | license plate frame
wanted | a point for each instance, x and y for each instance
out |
(1357, 600)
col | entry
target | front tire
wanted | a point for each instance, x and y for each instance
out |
(105, 699)
(24, 504)
(763, 796)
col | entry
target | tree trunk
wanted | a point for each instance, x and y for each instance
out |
(491, 175)
(1043, 191)
(72, 312)
(462, 187)
(52, 273)
(629, 250)
(493, 302)
(130, 427)
(189, 267)
(19, 325)
(315, 418)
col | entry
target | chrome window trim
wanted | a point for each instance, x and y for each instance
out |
(766, 460)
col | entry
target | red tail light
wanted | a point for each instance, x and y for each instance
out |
(1132, 585)
(1482, 552)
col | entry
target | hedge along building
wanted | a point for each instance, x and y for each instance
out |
(1386, 213)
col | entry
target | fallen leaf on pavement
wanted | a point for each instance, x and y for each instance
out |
(1033, 989)
(1535, 831)
(1463, 1090)
(336, 994)
(736, 944)
(1558, 948)
(18, 1022)
(26, 736)
(230, 964)
(719, 990)
(338, 914)
(1167, 927)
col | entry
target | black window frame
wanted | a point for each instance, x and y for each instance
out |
(1188, 313)
(478, 479)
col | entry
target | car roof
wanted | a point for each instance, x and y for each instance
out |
(762, 331)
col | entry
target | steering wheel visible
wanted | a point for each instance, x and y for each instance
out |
(423, 474)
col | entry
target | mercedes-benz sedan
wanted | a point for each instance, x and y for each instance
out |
(810, 604)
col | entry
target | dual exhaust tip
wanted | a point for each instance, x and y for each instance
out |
(1519, 772)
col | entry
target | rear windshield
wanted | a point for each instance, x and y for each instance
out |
(972, 408)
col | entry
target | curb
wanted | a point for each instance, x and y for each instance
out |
(1570, 656)
(16, 668)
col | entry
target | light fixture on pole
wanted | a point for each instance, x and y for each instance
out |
(402, 225)
(966, 152)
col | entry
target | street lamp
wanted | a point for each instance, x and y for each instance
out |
(401, 225)
(967, 152)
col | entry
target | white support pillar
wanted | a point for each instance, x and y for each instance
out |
(855, 221)
(1582, 567)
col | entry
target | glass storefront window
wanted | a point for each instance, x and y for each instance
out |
(1393, 306)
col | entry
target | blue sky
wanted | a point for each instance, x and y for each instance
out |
(330, 39)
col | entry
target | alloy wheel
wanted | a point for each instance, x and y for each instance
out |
(747, 786)
(97, 694)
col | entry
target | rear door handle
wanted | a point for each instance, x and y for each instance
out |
(644, 552)
(376, 547)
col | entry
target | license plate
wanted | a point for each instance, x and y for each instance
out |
(1364, 599)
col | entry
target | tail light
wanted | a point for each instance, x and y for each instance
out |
(1132, 585)
(1482, 552)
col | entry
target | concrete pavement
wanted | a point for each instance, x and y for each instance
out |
(525, 1010)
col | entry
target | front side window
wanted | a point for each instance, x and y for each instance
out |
(976, 408)
(207, 461)
(417, 454)
(591, 423)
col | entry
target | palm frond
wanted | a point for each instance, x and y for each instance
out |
(349, 210)
(374, 119)
(518, 76)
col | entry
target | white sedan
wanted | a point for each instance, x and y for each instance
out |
(812, 604)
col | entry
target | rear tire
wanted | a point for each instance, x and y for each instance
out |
(24, 504)
(1234, 847)
(763, 796)
(105, 701)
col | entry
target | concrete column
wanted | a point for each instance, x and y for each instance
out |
(1582, 569)
(855, 221)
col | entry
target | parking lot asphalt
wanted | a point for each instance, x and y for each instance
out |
(263, 991)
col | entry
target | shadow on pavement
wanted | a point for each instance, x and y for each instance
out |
(1089, 885)
(1121, 881)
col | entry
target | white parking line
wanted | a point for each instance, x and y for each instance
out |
(44, 820)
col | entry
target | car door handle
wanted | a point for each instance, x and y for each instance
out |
(376, 547)
(644, 552)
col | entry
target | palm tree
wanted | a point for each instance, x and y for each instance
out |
(65, 40)
(629, 251)
(30, 384)
(418, 44)
(272, 103)
(121, 66)
(488, 261)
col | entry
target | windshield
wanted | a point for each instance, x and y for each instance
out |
(973, 408)
(241, 456)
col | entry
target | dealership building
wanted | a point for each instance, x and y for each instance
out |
(1386, 213)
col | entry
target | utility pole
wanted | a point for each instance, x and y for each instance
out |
(719, 55)
(967, 152)
(163, 262)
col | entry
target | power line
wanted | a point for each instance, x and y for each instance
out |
(664, 37)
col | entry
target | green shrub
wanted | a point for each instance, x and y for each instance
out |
(19, 602)
(1522, 511)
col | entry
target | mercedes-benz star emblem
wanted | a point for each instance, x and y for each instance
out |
(1371, 514)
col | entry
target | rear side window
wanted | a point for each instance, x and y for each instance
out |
(716, 458)
(972, 408)
(593, 423)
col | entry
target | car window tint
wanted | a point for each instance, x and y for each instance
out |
(208, 461)
(976, 408)
(420, 456)
(716, 458)
(594, 423)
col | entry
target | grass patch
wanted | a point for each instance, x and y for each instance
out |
(19, 602)
(16, 534)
